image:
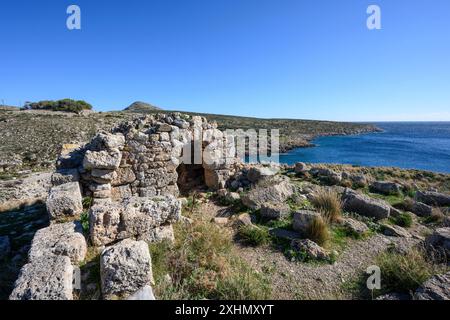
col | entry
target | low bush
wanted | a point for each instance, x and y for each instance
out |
(403, 220)
(253, 235)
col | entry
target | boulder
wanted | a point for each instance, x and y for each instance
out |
(109, 159)
(216, 179)
(385, 187)
(327, 175)
(244, 219)
(104, 220)
(440, 239)
(256, 174)
(395, 231)
(365, 205)
(303, 219)
(274, 211)
(64, 200)
(437, 288)
(159, 234)
(311, 249)
(433, 198)
(275, 190)
(63, 176)
(46, 278)
(422, 209)
(125, 268)
(300, 167)
(5, 247)
(284, 234)
(357, 227)
(123, 176)
(142, 215)
(108, 141)
(65, 239)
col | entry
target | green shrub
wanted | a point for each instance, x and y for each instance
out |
(403, 220)
(253, 235)
(84, 218)
(66, 105)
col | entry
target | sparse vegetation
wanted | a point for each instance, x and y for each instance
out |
(404, 220)
(406, 272)
(201, 264)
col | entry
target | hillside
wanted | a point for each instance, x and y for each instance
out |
(141, 107)
(31, 139)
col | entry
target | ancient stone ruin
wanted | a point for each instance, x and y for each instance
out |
(134, 176)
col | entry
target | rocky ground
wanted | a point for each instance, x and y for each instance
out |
(32, 139)
(264, 232)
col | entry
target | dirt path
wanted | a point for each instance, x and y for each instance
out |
(297, 280)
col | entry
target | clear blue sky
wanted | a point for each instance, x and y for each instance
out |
(312, 59)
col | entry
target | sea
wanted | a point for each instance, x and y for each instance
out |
(409, 145)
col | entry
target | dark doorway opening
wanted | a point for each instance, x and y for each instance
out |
(191, 177)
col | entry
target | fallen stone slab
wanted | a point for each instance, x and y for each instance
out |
(385, 187)
(421, 209)
(303, 220)
(65, 239)
(364, 205)
(395, 231)
(357, 227)
(274, 190)
(275, 211)
(63, 176)
(256, 174)
(125, 268)
(437, 288)
(46, 278)
(440, 239)
(310, 248)
(64, 200)
(432, 198)
(284, 234)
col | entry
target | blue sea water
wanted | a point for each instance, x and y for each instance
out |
(410, 145)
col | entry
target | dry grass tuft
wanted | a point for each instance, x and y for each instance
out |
(329, 204)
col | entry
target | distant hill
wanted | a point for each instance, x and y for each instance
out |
(141, 107)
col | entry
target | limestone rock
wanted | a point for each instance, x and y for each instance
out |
(63, 176)
(46, 278)
(244, 219)
(256, 174)
(125, 268)
(65, 239)
(437, 288)
(104, 220)
(422, 209)
(123, 176)
(433, 198)
(310, 248)
(355, 226)
(440, 239)
(102, 159)
(303, 220)
(300, 167)
(275, 211)
(108, 141)
(65, 200)
(385, 187)
(395, 231)
(159, 234)
(273, 190)
(365, 205)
